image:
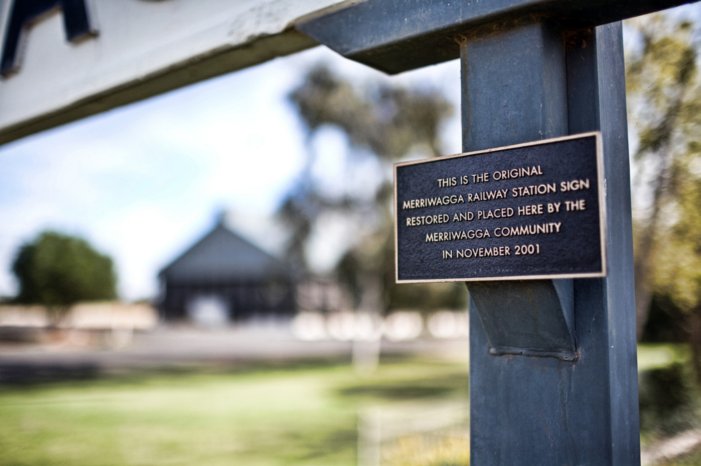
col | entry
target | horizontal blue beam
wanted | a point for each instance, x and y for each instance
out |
(400, 35)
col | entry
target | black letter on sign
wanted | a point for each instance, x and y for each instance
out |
(23, 13)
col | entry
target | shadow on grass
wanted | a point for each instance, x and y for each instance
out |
(26, 374)
(410, 388)
(330, 443)
(667, 400)
(23, 375)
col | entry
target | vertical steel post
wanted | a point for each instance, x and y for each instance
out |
(526, 83)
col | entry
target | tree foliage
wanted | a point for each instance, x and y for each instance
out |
(665, 108)
(59, 270)
(380, 124)
(386, 120)
(678, 261)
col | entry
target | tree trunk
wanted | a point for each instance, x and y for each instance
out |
(55, 315)
(367, 348)
(643, 278)
(695, 341)
(664, 186)
(645, 247)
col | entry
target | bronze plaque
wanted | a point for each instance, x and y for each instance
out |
(528, 211)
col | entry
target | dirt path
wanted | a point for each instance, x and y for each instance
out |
(671, 448)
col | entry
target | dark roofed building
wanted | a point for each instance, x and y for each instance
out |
(224, 277)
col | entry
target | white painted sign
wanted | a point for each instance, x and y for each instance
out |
(132, 50)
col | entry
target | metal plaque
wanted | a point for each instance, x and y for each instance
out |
(529, 211)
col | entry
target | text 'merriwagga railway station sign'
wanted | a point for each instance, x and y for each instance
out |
(520, 212)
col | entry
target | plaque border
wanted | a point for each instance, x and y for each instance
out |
(601, 195)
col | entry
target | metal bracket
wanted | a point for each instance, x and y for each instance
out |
(400, 35)
(527, 318)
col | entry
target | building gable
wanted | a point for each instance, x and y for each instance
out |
(223, 255)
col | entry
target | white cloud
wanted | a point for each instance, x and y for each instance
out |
(144, 239)
(142, 182)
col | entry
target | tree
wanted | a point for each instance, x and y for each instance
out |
(59, 270)
(380, 124)
(665, 109)
(678, 273)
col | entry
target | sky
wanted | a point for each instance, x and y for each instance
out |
(143, 182)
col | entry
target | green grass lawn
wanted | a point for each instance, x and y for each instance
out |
(301, 415)
(285, 415)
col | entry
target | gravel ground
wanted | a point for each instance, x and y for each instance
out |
(75, 355)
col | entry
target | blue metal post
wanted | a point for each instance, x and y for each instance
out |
(526, 83)
(553, 371)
